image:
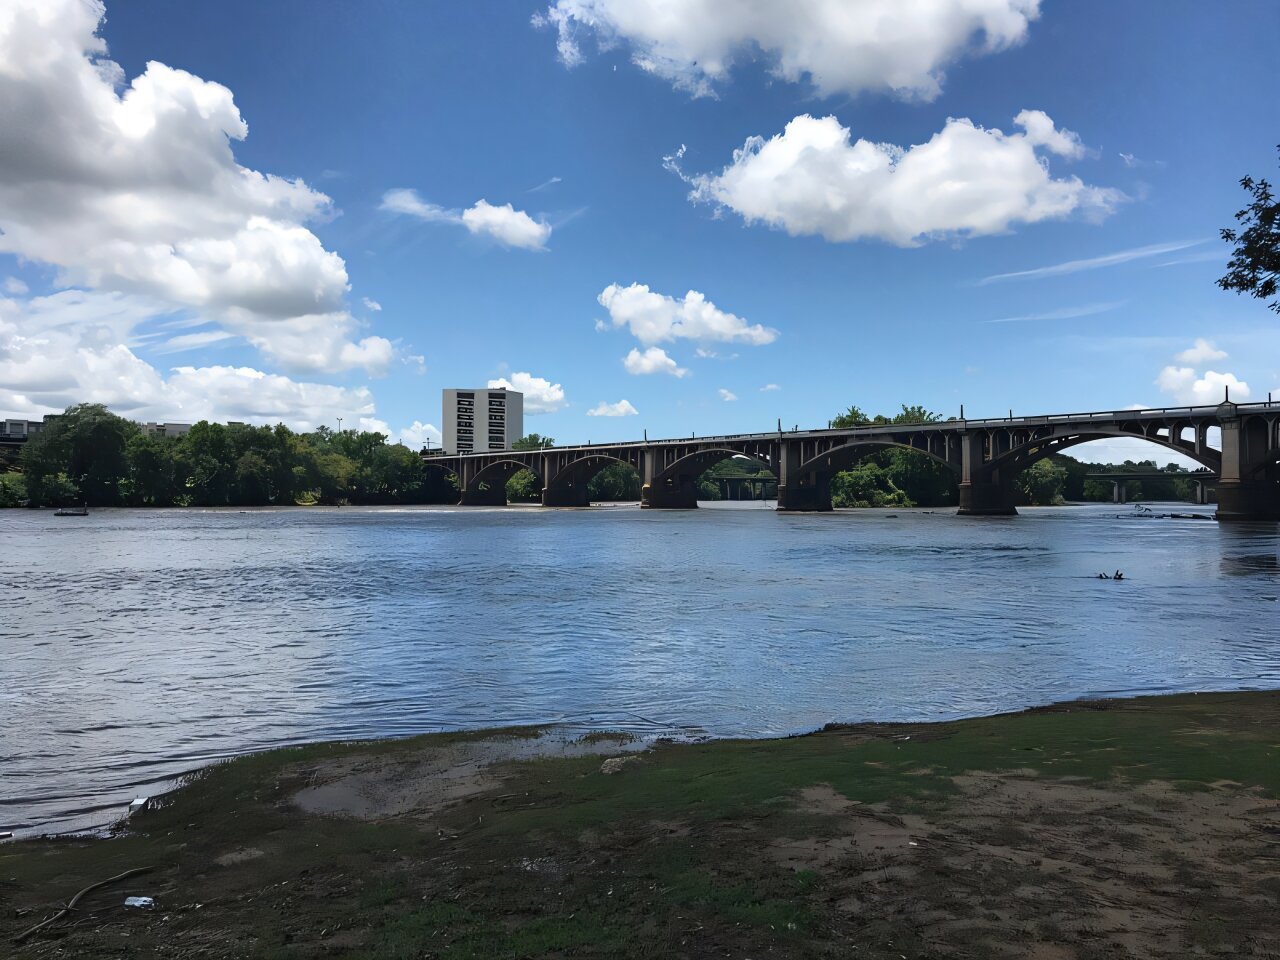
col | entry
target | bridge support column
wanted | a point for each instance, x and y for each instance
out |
(678, 492)
(1119, 491)
(801, 491)
(566, 496)
(494, 496)
(1248, 488)
(673, 493)
(983, 492)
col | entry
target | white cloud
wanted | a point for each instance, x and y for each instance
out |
(505, 224)
(417, 435)
(769, 388)
(510, 227)
(653, 360)
(1064, 313)
(841, 47)
(622, 408)
(1187, 386)
(373, 305)
(51, 357)
(132, 187)
(726, 395)
(1131, 161)
(656, 318)
(192, 341)
(1093, 263)
(540, 396)
(813, 179)
(405, 201)
(415, 361)
(15, 286)
(1201, 352)
(550, 182)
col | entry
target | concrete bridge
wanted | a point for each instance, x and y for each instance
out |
(1201, 480)
(984, 455)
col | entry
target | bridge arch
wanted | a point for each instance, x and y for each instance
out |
(487, 487)
(676, 485)
(1034, 450)
(844, 456)
(568, 487)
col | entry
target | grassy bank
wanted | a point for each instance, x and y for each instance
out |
(1146, 827)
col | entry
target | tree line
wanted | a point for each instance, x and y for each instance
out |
(90, 455)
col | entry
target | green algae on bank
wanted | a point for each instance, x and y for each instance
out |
(1146, 827)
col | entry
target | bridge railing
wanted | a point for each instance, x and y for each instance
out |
(1152, 413)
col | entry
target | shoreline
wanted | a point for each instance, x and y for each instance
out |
(1018, 834)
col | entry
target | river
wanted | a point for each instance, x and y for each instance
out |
(138, 644)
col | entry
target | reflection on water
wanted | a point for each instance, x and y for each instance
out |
(139, 644)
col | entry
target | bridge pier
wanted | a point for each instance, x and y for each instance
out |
(983, 492)
(575, 495)
(673, 493)
(986, 498)
(807, 491)
(1119, 491)
(810, 493)
(495, 495)
(1248, 487)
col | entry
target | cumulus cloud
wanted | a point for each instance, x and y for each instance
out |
(727, 395)
(505, 224)
(1201, 352)
(622, 408)
(653, 360)
(51, 356)
(656, 318)
(540, 396)
(900, 46)
(1189, 387)
(15, 286)
(373, 305)
(769, 388)
(132, 187)
(967, 181)
(418, 435)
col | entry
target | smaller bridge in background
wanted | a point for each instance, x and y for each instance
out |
(985, 455)
(1202, 481)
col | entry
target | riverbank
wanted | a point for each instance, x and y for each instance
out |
(1145, 828)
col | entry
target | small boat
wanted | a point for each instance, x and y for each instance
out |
(71, 512)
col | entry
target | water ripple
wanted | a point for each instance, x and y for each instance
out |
(144, 644)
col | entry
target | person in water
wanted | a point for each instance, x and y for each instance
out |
(1103, 576)
(1118, 576)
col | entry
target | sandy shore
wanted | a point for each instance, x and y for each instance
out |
(1134, 828)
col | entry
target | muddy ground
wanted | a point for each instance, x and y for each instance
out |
(1136, 828)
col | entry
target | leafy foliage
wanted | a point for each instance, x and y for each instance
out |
(1254, 267)
(90, 454)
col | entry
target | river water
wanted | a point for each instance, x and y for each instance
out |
(136, 645)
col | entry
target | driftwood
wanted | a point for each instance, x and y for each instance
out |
(71, 904)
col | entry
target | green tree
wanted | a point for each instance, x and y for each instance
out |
(893, 476)
(617, 481)
(1254, 267)
(204, 466)
(533, 441)
(86, 444)
(524, 485)
(151, 471)
(1042, 482)
(13, 490)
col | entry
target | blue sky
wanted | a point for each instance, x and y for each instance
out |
(836, 288)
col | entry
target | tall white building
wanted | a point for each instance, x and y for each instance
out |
(476, 421)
